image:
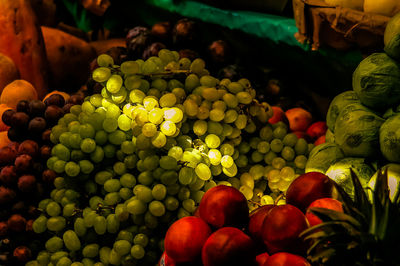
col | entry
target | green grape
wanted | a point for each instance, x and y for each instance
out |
(186, 175)
(114, 258)
(104, 255)
(109, 150)
(279, 132)
(90, 251)
(227, 161)
(130, 67)
(137, 96)
(235, 182)
(57, 256)
(276, 145)
(244, 97)
(168, 128)
(122, 247)
(197, 66)
(53, 209)
(168, 163)
(54, 244)
(246, 191)
(112, 198)
(100, 225)
(127, 180)
(290, 140)
(97, 155)
(112, 185)
(266, 133)
(203, 171)
(217, 115)
(71, 240)
(59, 166)
(117, 137)
(80, 227)
(124, 122)
(136, 207)
(263, 147)
(88, 145)
(159, 140)
(101, 74)
(212, 141)
(171, 203)
(278, 162)
(114, 83)
(104, 60)
(215, 156)
(155, 116)
(168, 100)
(288, 153)
(273, 176)
(189, 205)
(112, 224)
(125, 235)
(247, 179)
(156, 208)
(176, 152)
(300, 161)
(235, 87)
(192, 81)
(173, 114)
(257, 171)
(257, 156)
(227, 149)
(197, 196)
(301, 147)
(159, 192)
(56, 223)
(159, 84)
(137, 251)
(182, 213)
(287, 173)
(72, 169)
(61, 152)
(231, 171)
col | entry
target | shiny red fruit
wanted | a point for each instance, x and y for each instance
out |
(261, 258)
(22, 254)
(308, 187)
(286, 259)
(228, 246)
(185, 238)
(16, 223)
(224, 206)
(281, 229)
(257, 218)
(327, 203)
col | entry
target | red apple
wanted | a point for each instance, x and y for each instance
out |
(228, 246)
(278, 115)
(257, 218)
(185, 238)
(262, 258)
(286, 259)
(224, 206)
(327, 203)
(317, 129)
(308, 187)
(282, 227)
(299, 119)
(320, 140)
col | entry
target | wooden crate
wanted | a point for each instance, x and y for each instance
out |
(341, 28)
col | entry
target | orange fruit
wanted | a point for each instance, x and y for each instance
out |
(63, 94)
(8, 71)
(3, 126)
(16, 91)
(4, 140)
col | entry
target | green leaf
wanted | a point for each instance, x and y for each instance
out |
(327, 214)
(361, 201)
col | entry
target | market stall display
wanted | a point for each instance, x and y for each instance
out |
(167, 143)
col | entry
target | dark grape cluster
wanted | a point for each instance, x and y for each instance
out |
(24, 180)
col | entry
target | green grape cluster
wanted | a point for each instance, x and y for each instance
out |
(140, 154)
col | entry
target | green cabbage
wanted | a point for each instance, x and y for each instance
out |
(338, 103)
(394, 178)
(377, 81)
(322, 156)
(357, 131)
(389, 138)
(340, 173)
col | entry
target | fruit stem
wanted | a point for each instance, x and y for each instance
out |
(278, 198)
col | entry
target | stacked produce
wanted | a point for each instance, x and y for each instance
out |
(142, 152)
(363, 123)
(222, 232)
(23, 176)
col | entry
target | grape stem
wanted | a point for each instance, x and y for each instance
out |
(278, 198)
